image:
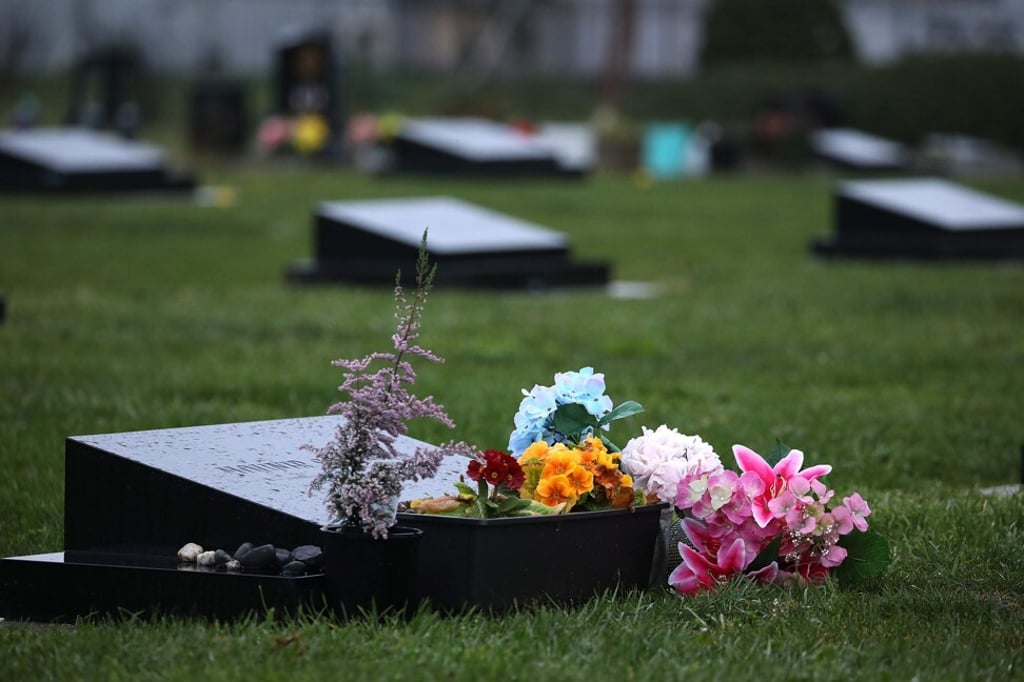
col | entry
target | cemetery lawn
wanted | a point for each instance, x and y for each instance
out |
(127, 314)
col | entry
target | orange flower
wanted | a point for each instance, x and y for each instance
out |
(582, 480)
(560, 462)
(554, 490)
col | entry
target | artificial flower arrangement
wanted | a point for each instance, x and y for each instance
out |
(772, 522)
(560, 459)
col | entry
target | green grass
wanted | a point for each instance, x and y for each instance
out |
(139, 313)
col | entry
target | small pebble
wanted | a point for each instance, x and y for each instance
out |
(294, 568)
(311, 555)
(189, 552)
(234, 565)
(259, 557)
(221, 557)
(243, 549)
(283, 556)
(207, 558)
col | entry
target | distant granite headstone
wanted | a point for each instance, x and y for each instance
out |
(857, 150)
(472, 146)
(79, 160)
(218, 116)
(370, 241)
(923, 218)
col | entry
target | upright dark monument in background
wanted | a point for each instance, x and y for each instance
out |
(106, 91)
(218, 113)
(306, 80)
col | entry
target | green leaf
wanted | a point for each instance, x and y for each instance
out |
(626, 409)
(777, 453)
(609, 445)
(867, 555)
(572, 419)
(766, 555)
(464, 489)
(511, 505)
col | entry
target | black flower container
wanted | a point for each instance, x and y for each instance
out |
(364, 573)
(493, 564)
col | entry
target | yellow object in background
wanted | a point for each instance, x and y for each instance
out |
(309, 133)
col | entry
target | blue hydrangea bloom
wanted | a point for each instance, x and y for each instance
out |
(533, 420)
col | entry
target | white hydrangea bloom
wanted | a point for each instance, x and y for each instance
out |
(659, 459)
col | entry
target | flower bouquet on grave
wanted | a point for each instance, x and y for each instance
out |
(771, 522)
(560, 461)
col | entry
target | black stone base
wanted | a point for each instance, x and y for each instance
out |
(52, 182)
(938, 247)
(62, 586)
(499, 276)
(896, 220)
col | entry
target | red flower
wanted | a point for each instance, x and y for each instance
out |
(497, 468)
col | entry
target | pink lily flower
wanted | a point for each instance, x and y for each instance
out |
(775, 478)
(699, 572)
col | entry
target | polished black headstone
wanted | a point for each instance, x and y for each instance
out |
(369, 241)
(132, 499)
(857, 150)
(468, 146)
(306, 78)
(80, 160)
(923, 218)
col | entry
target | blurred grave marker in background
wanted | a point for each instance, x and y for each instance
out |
(369, 241)
(923, 218)
(306, 89)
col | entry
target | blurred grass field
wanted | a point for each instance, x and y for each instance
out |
(139, 313)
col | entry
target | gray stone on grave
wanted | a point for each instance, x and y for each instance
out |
(218, 484)
(923, 218)
(858, 150)
(474, 146)
(369, 241)
(75, 159)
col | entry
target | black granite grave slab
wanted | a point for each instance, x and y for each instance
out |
(61, 587)
(369, 241)
(132, 499)
(922, 218)
(475, 147)
(856, 150)
(79, 160)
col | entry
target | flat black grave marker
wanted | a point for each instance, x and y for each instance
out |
(369, 241)
(470, 146)
(857, 150)
(80, 160)
(923, 218)
(132, 499)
